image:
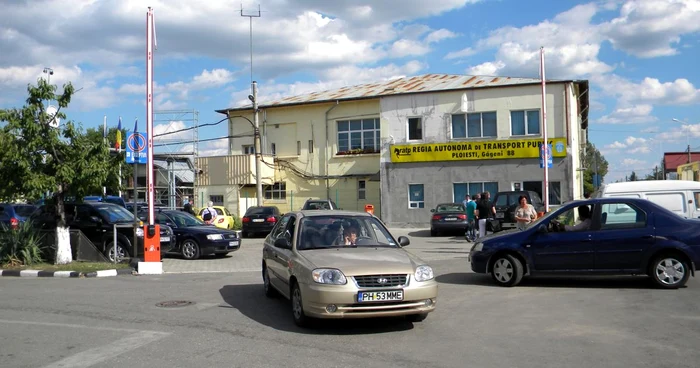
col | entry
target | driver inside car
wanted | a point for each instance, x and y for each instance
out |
(584, 214)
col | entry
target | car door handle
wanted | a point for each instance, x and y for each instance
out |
(647, 236)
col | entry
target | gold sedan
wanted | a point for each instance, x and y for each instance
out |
(340, 264)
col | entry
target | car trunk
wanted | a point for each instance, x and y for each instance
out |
(448, 217)
(259, 219)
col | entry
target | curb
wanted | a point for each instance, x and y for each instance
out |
(66, 274)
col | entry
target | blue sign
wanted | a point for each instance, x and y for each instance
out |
(136, 149)
(546, 154)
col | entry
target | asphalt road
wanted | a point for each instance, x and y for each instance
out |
(114, 322)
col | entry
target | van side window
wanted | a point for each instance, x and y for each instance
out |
(696, 196)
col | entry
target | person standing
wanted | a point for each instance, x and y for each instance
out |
(471, 219)
(209, 213)
(484, 211)
(525, 213)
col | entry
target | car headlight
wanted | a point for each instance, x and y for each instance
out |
(329, 276)
(478, 247)
(215, 237)
(423, 273)
(139, 232)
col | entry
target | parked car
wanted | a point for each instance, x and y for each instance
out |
(260, 219)
(194, 237)
(224, 219)
(448, 217)
(13, 214)
(319, 204)
(96, 220)
(627, 236)
(106, 199)
(305, 259)
(679, 196)
(507, 202)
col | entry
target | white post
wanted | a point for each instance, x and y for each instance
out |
(545, 187)
(149, 113)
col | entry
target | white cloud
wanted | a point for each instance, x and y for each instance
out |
(651, 28)
(629, 115)
(404, 47)
(463, 53)
(648, 91)
(175, 128)
(217, 147)
(615, 145)
(439, 35)
(633, 163)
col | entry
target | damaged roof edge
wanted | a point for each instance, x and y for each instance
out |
(325, 101)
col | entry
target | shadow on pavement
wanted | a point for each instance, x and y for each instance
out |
(593, 282)
(276, 312)
(420, 233)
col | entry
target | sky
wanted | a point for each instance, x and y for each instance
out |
(640, 57)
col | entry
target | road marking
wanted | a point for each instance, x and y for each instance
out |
(97, 355)
(67, 325)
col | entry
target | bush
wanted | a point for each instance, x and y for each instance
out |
(20, 246)
(237, 223)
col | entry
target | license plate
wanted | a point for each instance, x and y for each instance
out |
(450, 219)
(499, 215)
(258, 220)
(233, 244)
(165, 238)
(380, 296)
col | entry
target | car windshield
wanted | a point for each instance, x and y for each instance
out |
(450, 207)
(24, 210)
(260, 211)
(184, 219)
(115, 213)
(321, 232)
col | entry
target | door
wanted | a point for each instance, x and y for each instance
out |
(673, 201)
(271, 254)
(564, 251)
(459, 190)
(84, 220)
(695, 207)
(625, 234)
(283, 257)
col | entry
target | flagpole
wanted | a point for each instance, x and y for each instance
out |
(547, 152)
(120, 155)
(104, 138)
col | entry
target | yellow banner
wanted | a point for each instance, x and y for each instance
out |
(472, 151)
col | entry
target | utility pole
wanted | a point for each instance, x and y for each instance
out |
(254, 99)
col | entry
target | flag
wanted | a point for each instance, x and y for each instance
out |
(118, 143)
(136, 125)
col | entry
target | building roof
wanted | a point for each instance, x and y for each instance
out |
(408, 85)
(673, 159)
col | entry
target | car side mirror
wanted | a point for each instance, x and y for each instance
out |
(283, 243)
(404, 241)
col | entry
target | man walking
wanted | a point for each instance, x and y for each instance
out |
(209, 213)
(470, 207)
(484, 211)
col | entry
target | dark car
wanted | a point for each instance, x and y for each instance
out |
(507, 202)
(13, 214)
(260, 219)
(106, 199)
(96, 220)
(319, 204)
(448, 217)
(627, 236)
(194, 237)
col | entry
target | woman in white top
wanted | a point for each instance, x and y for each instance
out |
(525, 213)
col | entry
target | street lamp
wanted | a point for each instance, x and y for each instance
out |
(687, 136)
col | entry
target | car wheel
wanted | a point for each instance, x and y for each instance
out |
(417, 317)
(433, 232)
(507, 270)
(270, 291)
(190, 249)
(300, 319)
(122, 253)
(669, 271)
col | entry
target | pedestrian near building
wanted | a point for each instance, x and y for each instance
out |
(525, 213)
(484, 211)
(209, 213)
(471, 219)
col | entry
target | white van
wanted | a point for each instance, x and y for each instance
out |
(679, 196)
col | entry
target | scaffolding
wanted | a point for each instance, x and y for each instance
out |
(175, 148)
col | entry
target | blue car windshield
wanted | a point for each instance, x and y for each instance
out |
(114, 213)
(184, 219)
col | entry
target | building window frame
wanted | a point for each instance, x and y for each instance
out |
(248, 149)
(417, 130)
(368, 129)
(276, 191)
(416, 201)
(273, 149)
(361, 189)
(217, 199)
(493, 188)
(311, 146)
(527, 115)
(471, 133)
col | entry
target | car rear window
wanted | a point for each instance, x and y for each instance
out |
(450, 208)
(318, 206)
(260, 211)
(24, 210)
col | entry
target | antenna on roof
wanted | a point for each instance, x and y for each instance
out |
(251, 15)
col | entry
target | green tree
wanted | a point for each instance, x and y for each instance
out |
(112, 181)
(592, 160)
(633, 177)
(38, 158)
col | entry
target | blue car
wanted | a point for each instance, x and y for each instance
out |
(606, 236)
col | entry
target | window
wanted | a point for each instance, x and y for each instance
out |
(554, 192)
(276, 191)
(416, 197)
(415, 129)
(278, 230)
(248, 149)
(358, 136)
(298, 148)
(459, 190)
(621, 216)
(311, 146)
(475, 125)
(217, 199)
(697, 200)
(525, 122)
(361, 188)
(273, 149)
